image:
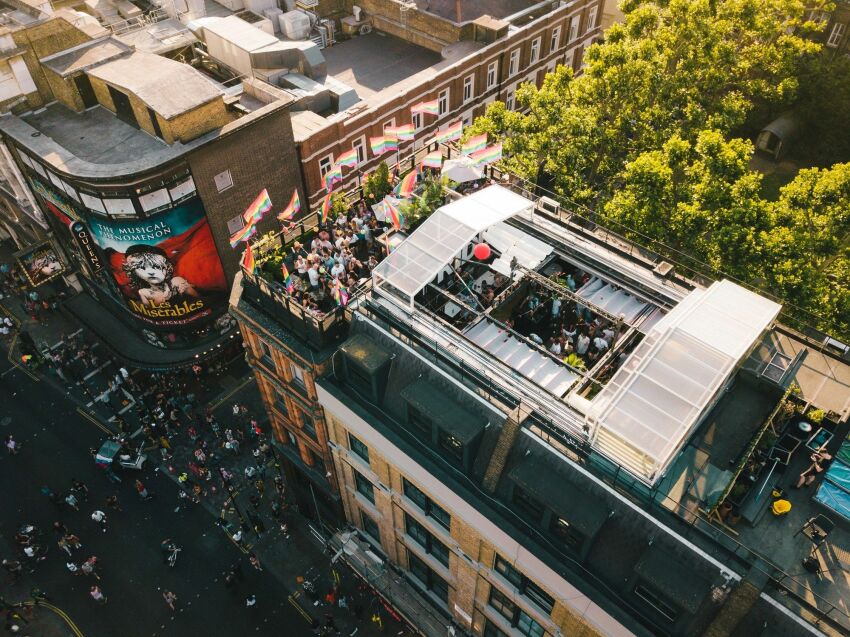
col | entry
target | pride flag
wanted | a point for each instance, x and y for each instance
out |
(287, 279)
(406, 185)
(332, 176)
(488, 155)
(395, 215)
(451, 134)
(405, 132)
(242, 235)
(292, 209)
(262, 204)
(348, 159)
(474, 144)
(383, 144)
(433, 160)
(326, 208)
(248, 263)
(431, 107)
(341, 295)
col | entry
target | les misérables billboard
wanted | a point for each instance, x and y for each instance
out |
(166, 266)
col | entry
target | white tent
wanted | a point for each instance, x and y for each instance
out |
(645, 413)
(442, 237)
(461, 170)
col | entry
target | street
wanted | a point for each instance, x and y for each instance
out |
(56, 440)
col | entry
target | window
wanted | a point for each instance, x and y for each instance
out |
(71, 192)
(292, 439)
(280, 404)
(513, 63)
(656, 602)
(24, 158)
(492, 69)
(325, 165)
(310, 427)
(491, 630)
(389, 124)
(819, 17)
(528, 504)
(569, 58)
(555, 40)
(591, 19)
(235, 224)
(266, 354)
(364, 487)
(509, 100)
(501, 603)
(359, 145)
(450, 444)
(439, 514)
(157, 199)
(528, 626)
(443, 101)
(426, 540)
(370, 527)
(119, 207)
(518, 618)
(297, 374)
(318, 462)
(574, 28)
(223, 181)
(524, 585)
(357, 447)
(836, 35)
(417, 121)
(468, 87)
(420, 422)
(182, 190)
(430, 580)
(566, 532)
(535, 51)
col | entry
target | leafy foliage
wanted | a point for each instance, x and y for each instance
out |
(377, 185)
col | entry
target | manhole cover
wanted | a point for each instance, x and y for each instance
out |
(5, 421)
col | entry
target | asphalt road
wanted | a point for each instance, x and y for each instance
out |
(56, 441)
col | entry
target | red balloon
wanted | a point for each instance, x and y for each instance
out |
(481, 251)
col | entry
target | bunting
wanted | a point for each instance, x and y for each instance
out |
(243, 235)
(292, 209)
(261, 205)
(452, 133)
(348, 159)
(488, 155)
(248, 263)
(474, 144)
(433, 160)
(406, 185)
(430, 107)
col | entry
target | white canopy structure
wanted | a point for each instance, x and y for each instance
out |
(442, 237)
(645, 413)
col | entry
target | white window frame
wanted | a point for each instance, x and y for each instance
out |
(555, 39)
(388, 124)
(575, 21)
(326, 164)
(297, 374)
(513, 63)
(570, 58)
(418, 123)
(492, 74)
(443, 101)
(510, 99)
(534, 51)
(836, 35)
(468, 88)
(591, 19)
(359, 146)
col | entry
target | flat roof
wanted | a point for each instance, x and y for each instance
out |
(170, 88)
(85, 56)
(370, 63)
(239, 33)
(473, 9)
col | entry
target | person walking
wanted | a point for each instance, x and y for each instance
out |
(169, 598)
(71, 501)
(142, 491)
(255, 562)
(97, 595)
(100, 517)
(89, 567)
(12, 446)
(112, 502)
(80, 489)
(73, 541)
(251, 601)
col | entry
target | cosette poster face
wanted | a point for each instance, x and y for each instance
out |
(166, 266)
(40, 263)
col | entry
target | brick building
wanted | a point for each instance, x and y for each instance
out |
(834, 36)
(476, 481)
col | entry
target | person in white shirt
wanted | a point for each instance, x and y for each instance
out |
(600, 343)
(338, 269)
(313, 274)
(582, 344)
(555, 348)
(556, 307)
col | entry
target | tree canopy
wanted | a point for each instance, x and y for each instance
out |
(646, 138)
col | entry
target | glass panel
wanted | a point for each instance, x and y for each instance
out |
(412, 492)
(182, 190)
(357, 446)
(502, 604)
(155, 200)
(119, 207)
(92, 203)
(507, 571)
(528, 626)
(364, 487)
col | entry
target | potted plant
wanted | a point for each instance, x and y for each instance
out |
(815, 416)
(377, 185)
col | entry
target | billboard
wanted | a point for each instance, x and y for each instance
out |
(40, 263)
(166, 266)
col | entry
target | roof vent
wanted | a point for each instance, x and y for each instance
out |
(663, 269)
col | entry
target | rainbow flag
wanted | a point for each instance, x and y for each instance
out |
(347, 159)
(488, 155)
(395, 215)
(383, 144)
(406, 185)
(243, 235)
(262, 204)
(248, 263)
(287, 279)
(405, 132)
(326, 208)
(474, 144)
(452, 133)
(433, 160)
(292, 209)
(332, 176)
(341, 295)
(431, 107)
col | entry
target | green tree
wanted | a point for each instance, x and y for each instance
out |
(377, 184)
(425, 202)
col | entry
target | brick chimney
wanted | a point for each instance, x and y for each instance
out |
(507, 437)
(458, 12)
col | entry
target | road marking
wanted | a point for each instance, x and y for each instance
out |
(61, 613)
(91, 418)
(221, 400)
(15, 363)
(303, 612)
